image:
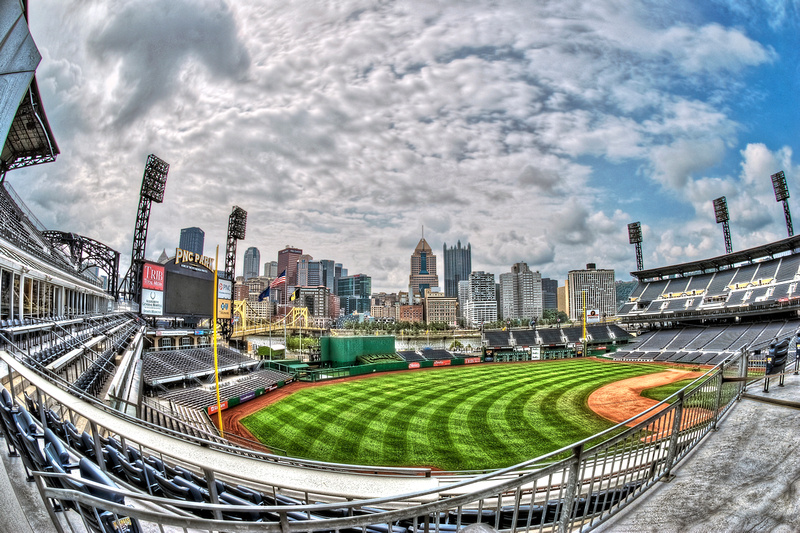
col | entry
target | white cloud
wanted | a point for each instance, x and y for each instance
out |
(342, 127)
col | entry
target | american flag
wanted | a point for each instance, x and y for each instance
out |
(279, 280)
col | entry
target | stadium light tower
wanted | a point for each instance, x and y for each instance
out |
(722, 216)
(154, 182)
(782, 195)
(635, 238)
(237, 225)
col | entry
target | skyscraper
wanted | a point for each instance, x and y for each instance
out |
(482, 301)
(423, 269)
(354, 293)
(252, 262)
(521, 293)
(549, 293)
(598, 289)
(328, 274)
(287, 260)
(303, 263)
(271, 269)
(457, 267)
(192, 240)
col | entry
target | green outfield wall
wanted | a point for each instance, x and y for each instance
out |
(343, 351)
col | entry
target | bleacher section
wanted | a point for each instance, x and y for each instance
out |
(170, 366)
(705, 346)
(550, 336)
(525, 337)
(410, 356)
(200, 398)
(752, 281)
(497, 338)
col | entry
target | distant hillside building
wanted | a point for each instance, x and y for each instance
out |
(521, 293)
(192, 240)
(599, 289)
(457, 267)
(423, 269)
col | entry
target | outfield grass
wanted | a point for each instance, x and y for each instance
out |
(460, 418)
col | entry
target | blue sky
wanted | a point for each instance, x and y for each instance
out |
(535, 130)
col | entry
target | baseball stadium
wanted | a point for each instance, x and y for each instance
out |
(679, 415)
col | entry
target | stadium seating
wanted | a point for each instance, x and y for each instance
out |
(410, 355)
(169, 366)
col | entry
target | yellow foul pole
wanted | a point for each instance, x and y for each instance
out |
(583, 293)
(216, 364)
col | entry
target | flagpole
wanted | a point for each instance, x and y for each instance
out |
(216, 361)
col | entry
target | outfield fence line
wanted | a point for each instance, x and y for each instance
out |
(576, 487)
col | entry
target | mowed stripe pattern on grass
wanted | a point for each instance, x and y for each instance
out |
(460, 418)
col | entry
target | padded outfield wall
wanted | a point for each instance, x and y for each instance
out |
(343, 351)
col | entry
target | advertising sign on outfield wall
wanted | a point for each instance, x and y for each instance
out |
(413, 365)
(472, 360)
(441, 362)
(213, 408)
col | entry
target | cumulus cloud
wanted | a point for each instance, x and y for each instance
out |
(344, 127)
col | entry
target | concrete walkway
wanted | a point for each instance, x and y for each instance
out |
(744, 477)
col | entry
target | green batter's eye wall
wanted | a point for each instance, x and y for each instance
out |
(343, 351)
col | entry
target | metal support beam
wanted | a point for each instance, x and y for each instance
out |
(154, 182)
(726, 231)
(788, 216)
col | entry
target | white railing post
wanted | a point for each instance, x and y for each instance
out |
(572, 486)
(718, 399)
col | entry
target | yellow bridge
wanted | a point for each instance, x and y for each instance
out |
(246, 321)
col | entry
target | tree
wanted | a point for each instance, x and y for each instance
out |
(554, 316)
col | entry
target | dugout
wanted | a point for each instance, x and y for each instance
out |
(343, 351)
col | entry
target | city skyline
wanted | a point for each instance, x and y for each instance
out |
(534, 131)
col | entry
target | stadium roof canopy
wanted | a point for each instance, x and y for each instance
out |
(23, 123)
(722, 262)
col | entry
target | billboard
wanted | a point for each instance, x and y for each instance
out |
(592, 316)
(152, 302)
(224, 289)
(153, 277)
(224, 309)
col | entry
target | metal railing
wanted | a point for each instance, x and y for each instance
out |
(576, 487)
